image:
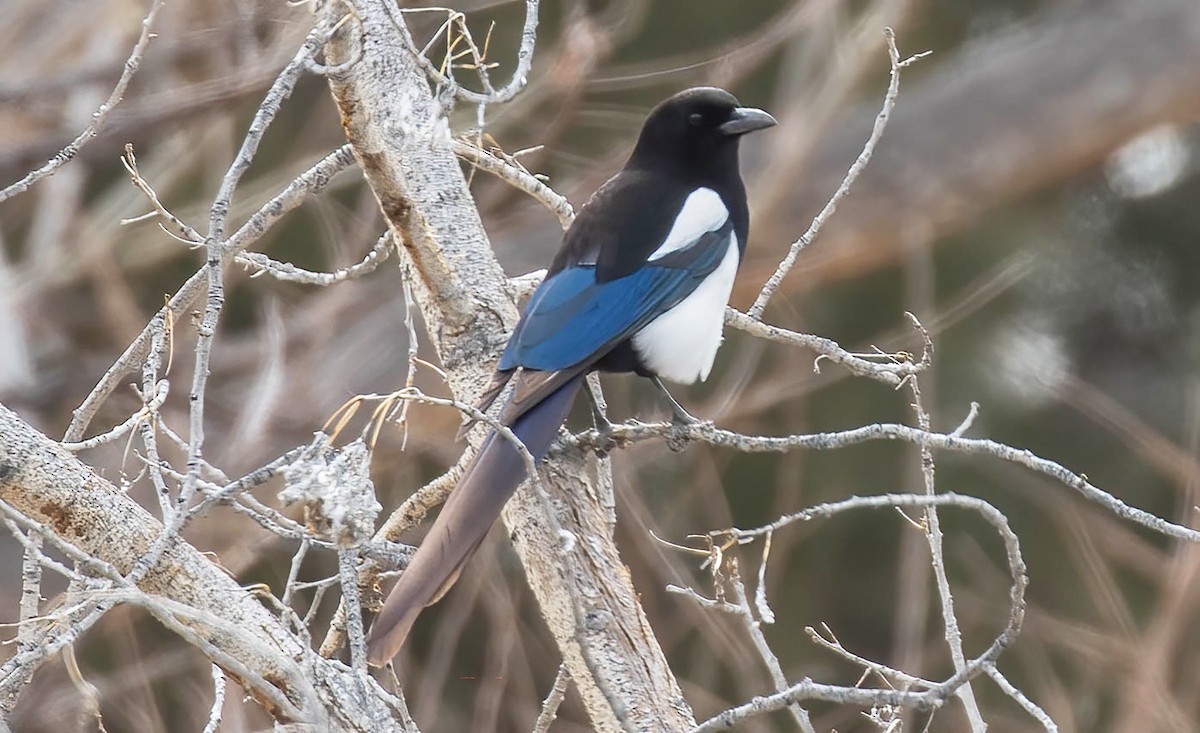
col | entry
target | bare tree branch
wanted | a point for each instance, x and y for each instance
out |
(68, 153)
(933, 534)
(881, 120)
(926, 699)
(550, 707)
(307, 184)
(110, 532)
(404, 147)
(627, 433)
(513, 173)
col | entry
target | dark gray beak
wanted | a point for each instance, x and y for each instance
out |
(746, 119)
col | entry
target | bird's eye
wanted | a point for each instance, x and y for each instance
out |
(696, 119)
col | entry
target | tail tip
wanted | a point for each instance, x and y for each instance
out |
(381, 651)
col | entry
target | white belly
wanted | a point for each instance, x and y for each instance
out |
(680, 345)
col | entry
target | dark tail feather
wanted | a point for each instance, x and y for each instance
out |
(464, 521)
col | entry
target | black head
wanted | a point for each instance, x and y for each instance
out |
(694, 134)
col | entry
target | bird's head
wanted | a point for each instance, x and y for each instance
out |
(695, 134)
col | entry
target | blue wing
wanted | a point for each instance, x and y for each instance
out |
(572, 319)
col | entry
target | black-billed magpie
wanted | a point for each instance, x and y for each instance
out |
(639, 285)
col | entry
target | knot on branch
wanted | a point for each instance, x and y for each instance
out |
(335, 487)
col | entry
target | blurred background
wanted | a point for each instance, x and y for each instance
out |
(1035, 201)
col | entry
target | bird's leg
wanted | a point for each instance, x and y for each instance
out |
(604, 428)
(679, 416)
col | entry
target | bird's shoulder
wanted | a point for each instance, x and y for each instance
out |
(623, 222)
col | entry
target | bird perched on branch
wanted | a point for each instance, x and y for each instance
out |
(639, 285)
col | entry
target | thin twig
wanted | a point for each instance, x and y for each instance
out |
(1028, 705)
(881, 120)
(161, 334)
(287, 272)
(967, 422)
(799, 714)
(68, 153)
(513, 173)
(550, 705)
(890, 368)
(308, 183)
(151, 407)
(633, 432)
(214, 715)
(289, 587)
(882, 670)
(928, 699)
(933, 534)
(181, 229)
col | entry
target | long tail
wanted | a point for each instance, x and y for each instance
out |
(470, 511)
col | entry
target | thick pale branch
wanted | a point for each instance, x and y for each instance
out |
(46, 483)
(404, 145)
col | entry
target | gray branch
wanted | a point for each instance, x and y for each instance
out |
(109, 533)
(927, 699)
(309, 183)
(633, 432)
(68, 153)
(404, 146)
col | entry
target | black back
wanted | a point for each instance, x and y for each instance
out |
(680, 149)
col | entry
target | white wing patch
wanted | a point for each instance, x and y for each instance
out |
(702, 212)
(681, 344)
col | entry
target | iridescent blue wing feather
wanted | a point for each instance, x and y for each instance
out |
(572, 320)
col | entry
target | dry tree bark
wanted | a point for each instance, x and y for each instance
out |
(49, 485)
(400, 136)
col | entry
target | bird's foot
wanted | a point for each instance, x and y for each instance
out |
(680, 433)
(682, 421)
(603, 442)
(682, 418)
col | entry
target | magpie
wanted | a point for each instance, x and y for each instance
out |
(639, 284)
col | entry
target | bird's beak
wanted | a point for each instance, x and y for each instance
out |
(746, 119)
